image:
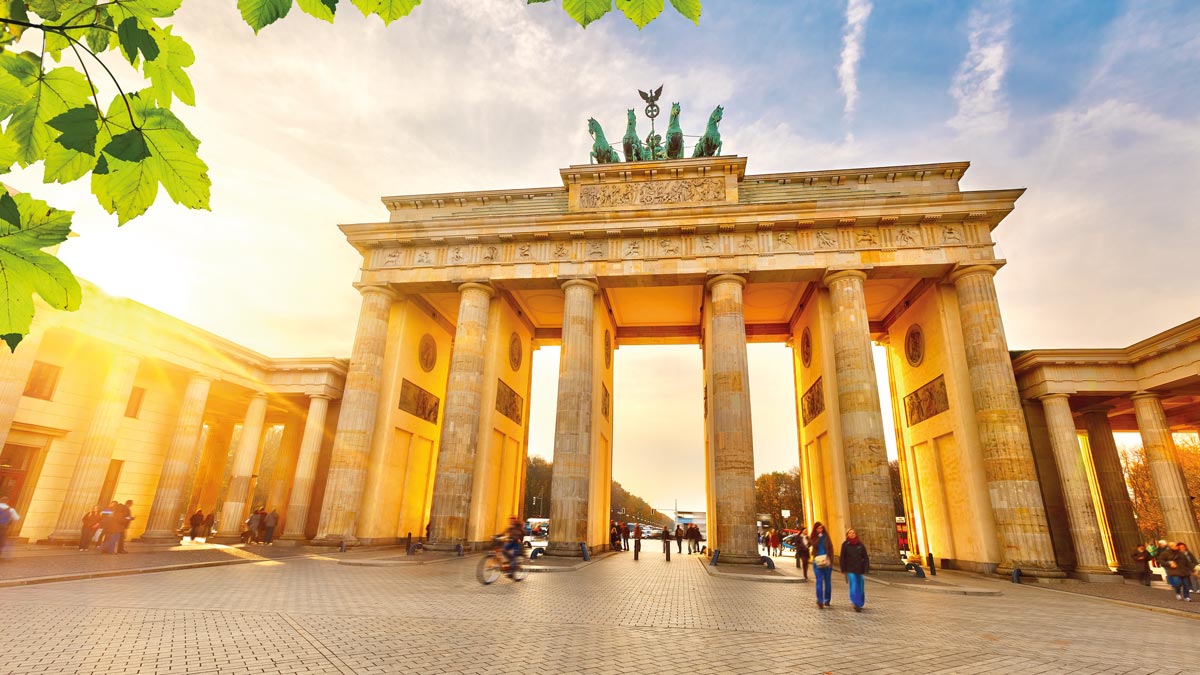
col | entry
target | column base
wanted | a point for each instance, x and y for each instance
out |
(1097, 576)
(889, 566)
(559, 549)
(1005, 570)
(294, 540)
(335, 541)
(61, 539)
(226, 539)
(727, 558)
(159, 538)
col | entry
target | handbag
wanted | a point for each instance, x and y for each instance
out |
(822, 560)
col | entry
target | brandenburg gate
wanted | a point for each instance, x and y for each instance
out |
(459, 288)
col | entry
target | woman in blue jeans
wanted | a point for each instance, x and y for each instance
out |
(822, 562)
(855, 563)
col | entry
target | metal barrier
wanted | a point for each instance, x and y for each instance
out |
(536, 552)
(584, 549)
(767, 561)
(716, 554)
(415, 548)
(914, 567)
(459, 550)
(1016, 575)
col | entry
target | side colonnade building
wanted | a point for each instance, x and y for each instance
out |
(424, 430)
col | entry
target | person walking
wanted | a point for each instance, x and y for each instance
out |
(87, 530)
(270, 522)
(855, 563)
(625, 536)
(1142, 557)
(637, 540)
(690, 535)
(666, 540)
(108, 528)
(252, 527)
(123, 517)
(679, 538)
(802, 551)
(776, 543)
(210, 522)
(8, 516)
(822, 557)
(1175, 562)
(194, 524)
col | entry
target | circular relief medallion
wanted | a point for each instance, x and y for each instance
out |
(806, 348)
(427, 352)
(514, 351)
(607, 349)
(914, 345)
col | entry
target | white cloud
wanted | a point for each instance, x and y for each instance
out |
(976, 88)
(857, 12)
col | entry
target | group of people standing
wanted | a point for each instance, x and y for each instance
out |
(106, 527)
(201, 526)
(260, 527)
(619, 535)
(1179, 564)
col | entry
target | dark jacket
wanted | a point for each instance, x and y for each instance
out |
(854, 559)
(802, 546)
(1178, 563)
(1143, 559)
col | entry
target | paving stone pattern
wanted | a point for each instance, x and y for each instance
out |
(306, 615)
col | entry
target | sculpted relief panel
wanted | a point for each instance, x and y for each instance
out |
(650, 193)
(931, 399)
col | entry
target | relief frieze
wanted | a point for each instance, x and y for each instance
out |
(417, 402)
(931, 399)
(650, 193)
(812, 403)
(508, 402)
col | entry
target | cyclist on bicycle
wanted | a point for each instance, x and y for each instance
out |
(514, 536)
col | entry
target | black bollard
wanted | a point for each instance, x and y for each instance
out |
(932, 567)
(342, 548)
(637, 548)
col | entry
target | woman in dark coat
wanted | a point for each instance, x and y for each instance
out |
(822, 557)
(87, 531)
(855, 563)
(802, 550)
(195, 522)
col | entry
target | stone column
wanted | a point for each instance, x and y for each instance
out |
(571, 475)
(1091, 564)
(1004, 441)
(233, 511)
(356, 422)
(91, 466)
(1052, 487)
(732, 435)
(451, 504)
(872, 512)
(14, 375)
(1165, 470)
(1114, 491)
(181, 457)
(306, 468)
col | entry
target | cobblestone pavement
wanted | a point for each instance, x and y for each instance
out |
(307, 615)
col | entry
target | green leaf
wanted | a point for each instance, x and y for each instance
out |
(166, 73)
(640, 12)
(688, 8)
(100, 39)
(134, 39)
(176, 160)
(51, 95)
(25, 269)
(129, 146)
(388, 10)
(157, 9)
(322, 9)
(587, 11)
(262, 13)
(79, 127)
(50, 10)
(8, 154)
(12, 93)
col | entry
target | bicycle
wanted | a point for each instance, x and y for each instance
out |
(495, 562)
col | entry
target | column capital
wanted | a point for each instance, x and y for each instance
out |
(1144, 396)
(1094, 409)
(1054, 396)
(483, 286)
(385, 289)
(726, 278)
(327, 397)
(967, 269)
(834, 275)
(589, 283)
(259, 394)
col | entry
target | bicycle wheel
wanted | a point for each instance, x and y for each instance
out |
(519, 570)
(488, 569)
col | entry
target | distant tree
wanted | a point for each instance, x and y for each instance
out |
(537, 496)
(897, 487)
(1146, 507)
(778, 491)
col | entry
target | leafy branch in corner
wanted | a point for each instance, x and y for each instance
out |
(135, 145)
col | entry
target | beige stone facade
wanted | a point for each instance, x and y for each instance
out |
(426, 425)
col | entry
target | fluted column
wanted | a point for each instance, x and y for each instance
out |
(91, 466)
(451, 504)
(1090, 560)
(571, 474)
(872, 511)
(1004, 441)
(733, 438)
(1114, 491)
(306, 467)
(1165, 471)
(356, 422)
(233, 511)
(181, 457)
(15, 368)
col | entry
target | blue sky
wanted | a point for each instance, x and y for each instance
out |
(1092, 106)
